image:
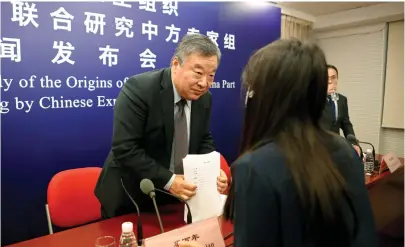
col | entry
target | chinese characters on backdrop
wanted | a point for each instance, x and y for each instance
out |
(25, 13)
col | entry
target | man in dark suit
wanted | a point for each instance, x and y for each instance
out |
(336, 115)
(159, 117)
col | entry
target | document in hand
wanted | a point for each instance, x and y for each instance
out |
(203, 170)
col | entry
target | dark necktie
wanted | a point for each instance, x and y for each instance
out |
(180, 137)
(332, 107)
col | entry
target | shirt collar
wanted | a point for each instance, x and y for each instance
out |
(177, 97)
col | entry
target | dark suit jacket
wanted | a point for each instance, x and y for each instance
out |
(343, 119)
(142, 139)
(267, 208)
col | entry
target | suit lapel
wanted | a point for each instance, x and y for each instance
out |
(167, 101)
(328, 114)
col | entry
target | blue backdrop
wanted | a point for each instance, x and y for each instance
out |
(83, 52)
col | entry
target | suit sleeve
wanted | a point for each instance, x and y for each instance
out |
(130, 113)
(207, 143)
(347, 126)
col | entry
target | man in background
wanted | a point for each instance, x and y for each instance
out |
(159, 117)
(336, 115)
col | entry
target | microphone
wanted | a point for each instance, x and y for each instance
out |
(351, 137)
(368, 143)
(376, 162)
(139, 223)
(189, 217)
(152, 187)
(148, 188)
(334, 96)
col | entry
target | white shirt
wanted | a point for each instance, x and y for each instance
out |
(187, 111)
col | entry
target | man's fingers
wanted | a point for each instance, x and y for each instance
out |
(189, 244)
(220, 184)
(184, 197)
(221, 187)
(223, 179)
(188, 193)
(189, 186)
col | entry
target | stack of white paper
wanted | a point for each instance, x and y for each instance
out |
(222, 204)
(203, 170)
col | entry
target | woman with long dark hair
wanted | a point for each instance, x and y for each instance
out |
(295, 184)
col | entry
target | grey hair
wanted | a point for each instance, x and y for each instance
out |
(196, 43)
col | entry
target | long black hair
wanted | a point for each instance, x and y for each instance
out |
(288, 82)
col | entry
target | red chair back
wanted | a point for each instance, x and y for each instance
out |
(225, 167)
(71, 198)
(227, 170)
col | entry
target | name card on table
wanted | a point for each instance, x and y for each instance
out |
(206, 232)
(390, 160)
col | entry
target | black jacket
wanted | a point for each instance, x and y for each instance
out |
(267, 207)
(342, 121)
(142, 139)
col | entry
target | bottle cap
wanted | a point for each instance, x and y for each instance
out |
(127, 227)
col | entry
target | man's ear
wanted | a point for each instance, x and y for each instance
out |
(175, 62)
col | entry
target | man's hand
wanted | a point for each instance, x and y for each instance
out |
(357, 148)
(182, 189)
(189, 244)
(222, 182)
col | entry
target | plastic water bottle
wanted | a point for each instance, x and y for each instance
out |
(369, 162)
(128, 238)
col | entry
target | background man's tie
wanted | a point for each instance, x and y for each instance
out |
(332, 107)
(180, 137)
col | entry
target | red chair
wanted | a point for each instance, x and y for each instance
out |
(71, 199)
(227, 170)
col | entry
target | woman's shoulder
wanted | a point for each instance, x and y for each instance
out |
(271, 156)
(265, 158)
(266, 151)
(258, 168)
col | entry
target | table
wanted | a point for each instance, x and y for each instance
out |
(371, 180)
(172, 218)
(386, 195)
